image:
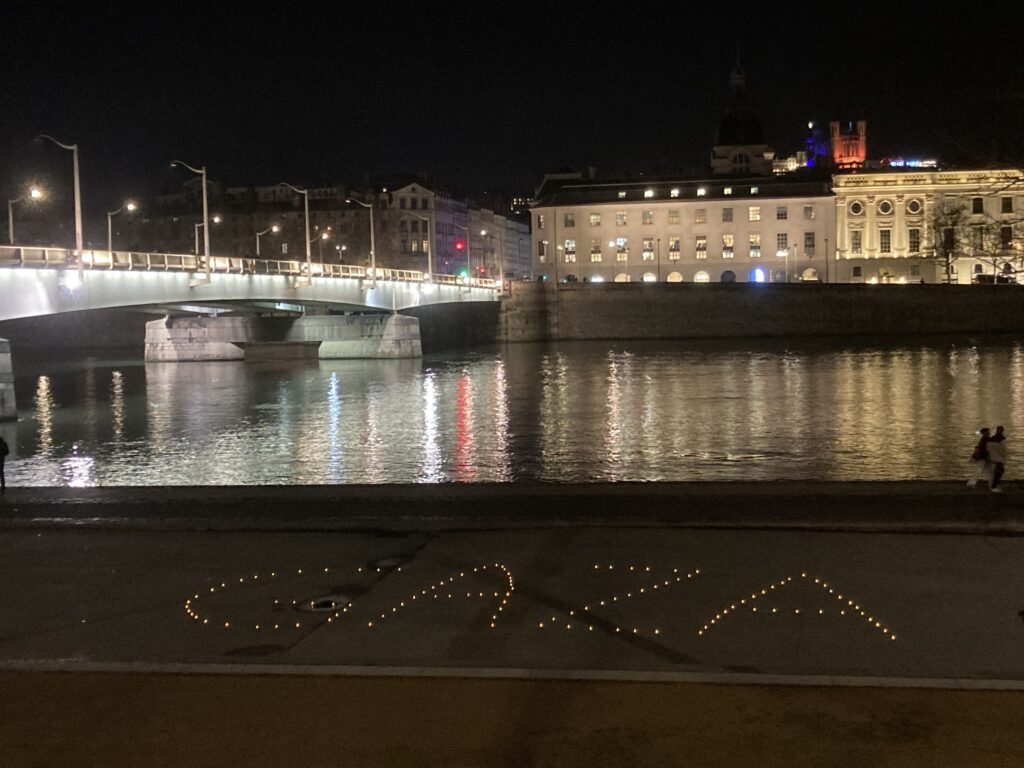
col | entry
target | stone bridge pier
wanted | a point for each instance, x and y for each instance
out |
(328, 337)
(8, 410)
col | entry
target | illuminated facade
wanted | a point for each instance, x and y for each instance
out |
(903, 226)
(746, 229)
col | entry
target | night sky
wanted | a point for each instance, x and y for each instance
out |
(486, 95)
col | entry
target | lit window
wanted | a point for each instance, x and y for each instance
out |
(701, 191)
(648, 217)
(595, 219)
(621, 249)
(674, 192)
(885, 240)
(727, 191)
(542, 250)
(727, 246)
(755, 246)
(754, 213)
(673, 217)
(702, 247)
(754, 190)
(702, 277)
(620, 218)
(781, 244)
(570, 251)
(622, 194)
(700, 216)
(595, 251)
(540, 221)
(648, 193)
(648, 250)
(674, 248)
(914, 240)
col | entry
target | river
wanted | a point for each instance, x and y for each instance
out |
(567, 412)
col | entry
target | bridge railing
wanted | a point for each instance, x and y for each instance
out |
(56, 258)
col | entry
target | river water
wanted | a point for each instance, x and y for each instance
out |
(568, 412)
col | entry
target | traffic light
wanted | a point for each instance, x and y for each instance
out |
(460, 245)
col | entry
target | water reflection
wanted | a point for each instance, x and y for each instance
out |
(572, 412)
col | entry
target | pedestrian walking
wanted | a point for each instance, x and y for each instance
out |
(979, 459)
(997, 458)
(4, 450)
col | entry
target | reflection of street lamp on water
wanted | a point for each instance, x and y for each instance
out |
(35, 193)
(127, 206)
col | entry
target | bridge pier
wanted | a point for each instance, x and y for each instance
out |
(8, 410)
(370, 336)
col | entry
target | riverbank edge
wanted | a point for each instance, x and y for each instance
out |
(899, 506)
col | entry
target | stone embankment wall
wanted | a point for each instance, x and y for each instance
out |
(540, 312)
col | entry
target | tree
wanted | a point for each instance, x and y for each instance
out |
(967, 229)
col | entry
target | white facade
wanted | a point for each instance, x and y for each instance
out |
(900, 226)
(715, 230)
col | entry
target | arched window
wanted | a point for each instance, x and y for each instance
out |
(650, 277)
(674, 277)
(728, 276)
(809, 275)
(622, 277)
(756, 275)
(702, 277)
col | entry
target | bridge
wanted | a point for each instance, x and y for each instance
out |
(191, 292)
(45, 281)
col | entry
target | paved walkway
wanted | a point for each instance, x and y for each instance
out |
(641, 582)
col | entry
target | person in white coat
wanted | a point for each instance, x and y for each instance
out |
(979, 459)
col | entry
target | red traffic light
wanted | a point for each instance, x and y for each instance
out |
(460, 245)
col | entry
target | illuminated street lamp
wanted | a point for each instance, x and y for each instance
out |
(325, 235)
(35, 193)
(126, 206)
(206, 216)
(430, 245)
(373, 251)
(272, 228)
(305, 204)
(201, 225)
(73, 149)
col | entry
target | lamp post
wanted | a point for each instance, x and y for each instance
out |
(35, 193)
(305, 204)
(73, 149)
(430, 245)
(373, 253)
(202, 225)
(320, 248)
(206, 216)
(126, 206)
(272, 228)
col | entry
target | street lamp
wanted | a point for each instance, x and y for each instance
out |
(373, 253)
(305, 205)
(35, 193)
(126, 206)
(320, 239)
(272, 228)
(73, 149)
(206, 216)
(430, 245)
(202, 225)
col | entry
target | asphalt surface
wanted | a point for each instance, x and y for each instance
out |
(114, 649)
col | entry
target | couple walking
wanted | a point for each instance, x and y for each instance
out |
(989, 459)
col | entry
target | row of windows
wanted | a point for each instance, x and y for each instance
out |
(674, 246)
(981, 239)
(414, 203)
(700, 216)
(914, 206)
